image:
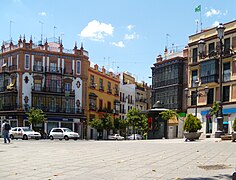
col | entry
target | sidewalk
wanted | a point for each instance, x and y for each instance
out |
(208, 158)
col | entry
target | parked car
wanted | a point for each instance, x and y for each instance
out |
(63, 133)
(115, 137)
(23, 133)
(137, 137)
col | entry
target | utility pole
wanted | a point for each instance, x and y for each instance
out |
(41, 31)
(10, 29)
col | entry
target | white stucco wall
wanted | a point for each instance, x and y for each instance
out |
(78, 91)
(26, 88)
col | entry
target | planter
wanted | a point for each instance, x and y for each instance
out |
(233, 136)
(191, 136)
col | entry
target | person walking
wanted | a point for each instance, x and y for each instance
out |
(5, 129)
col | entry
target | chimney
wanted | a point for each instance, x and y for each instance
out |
(159, 59)
(185, 52)
(165, 53)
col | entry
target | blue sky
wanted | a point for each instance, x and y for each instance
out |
(125, 35)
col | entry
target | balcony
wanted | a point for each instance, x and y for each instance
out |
(9, 107)
(57, 109)
(210, 79)
(92, 107)
(109, 91)
(53, 69)
(101, 88)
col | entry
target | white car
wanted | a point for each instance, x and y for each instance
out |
(115, 137)
(63, 133)
(23, 133)
(136, 136)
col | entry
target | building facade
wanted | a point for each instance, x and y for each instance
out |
(44, 76)
(127, 93)
(205, 69)
(103, 96)
(169, 79)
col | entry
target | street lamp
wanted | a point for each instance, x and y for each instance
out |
(196, 94)
(220, 31)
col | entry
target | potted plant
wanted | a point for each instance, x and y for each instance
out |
(191, 125)
(234, 128)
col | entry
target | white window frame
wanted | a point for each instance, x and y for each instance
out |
(27, 65)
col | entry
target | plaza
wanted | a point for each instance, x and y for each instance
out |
(208, 158)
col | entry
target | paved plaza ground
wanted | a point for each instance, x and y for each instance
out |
(145, 159)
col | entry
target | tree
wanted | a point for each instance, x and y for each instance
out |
(121, 125)
(214, 109)
(168, 114)
(107, 122)
(137, 120)
(96, 124)
(35, 116)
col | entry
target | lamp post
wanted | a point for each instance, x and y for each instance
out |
(197, 94)
(220, 31)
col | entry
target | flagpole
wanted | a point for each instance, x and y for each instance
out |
(201, 18)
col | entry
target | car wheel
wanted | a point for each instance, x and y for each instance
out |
(66, 138)
(25, 137)
(11, 136)
(51, 137)
(75, 139)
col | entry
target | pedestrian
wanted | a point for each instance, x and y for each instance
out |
(5, 129)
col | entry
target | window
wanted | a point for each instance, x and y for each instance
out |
(37, 87)
(100, 103)
(67, 87)
(194, 57)
(78, 66)
(209, 71)
(109, 105)
(194, 98)
(210, 96)
(226, 71)
(211, 47)
(27, 61)
(109, 87)
(194, 77)
(53, 67)
(226, 94)
(226, 46)
(92, 81)
(101, 84)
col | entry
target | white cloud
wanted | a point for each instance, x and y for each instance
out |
(129, 27)
(131, 36)
(118, 44)
(225, 13)
(212, 12)
(97, 31)
(216, 23)
(42, 14)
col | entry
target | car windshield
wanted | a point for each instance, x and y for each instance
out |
(26, 129)
(67, 130)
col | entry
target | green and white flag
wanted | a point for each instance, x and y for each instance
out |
(198, 8)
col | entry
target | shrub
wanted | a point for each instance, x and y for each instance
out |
(234, 124)
(192, 123)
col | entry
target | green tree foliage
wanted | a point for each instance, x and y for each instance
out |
(137, 120)
(35, 116)
(234, 125)
(214, 109)
(192, 123)
(97, 124)
(107, 122)
(168, 114)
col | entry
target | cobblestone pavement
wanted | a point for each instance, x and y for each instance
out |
(145, 159)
